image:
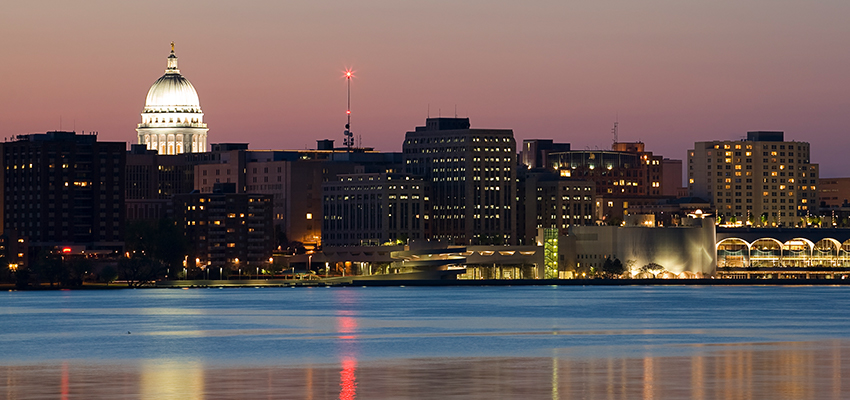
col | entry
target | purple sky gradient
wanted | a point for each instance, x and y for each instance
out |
(270, 72)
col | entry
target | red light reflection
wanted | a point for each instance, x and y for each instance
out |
(348, 379)
(346, 327)
(63, 386)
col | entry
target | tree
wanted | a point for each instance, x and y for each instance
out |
(76, 269)
(140, 270)
(161, 240)
(612, 267)
(652, 268)
(614, 221)
(48, 266)
(108, 274)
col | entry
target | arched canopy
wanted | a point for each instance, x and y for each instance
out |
(798, 245)
(828, 245)
(732, 244)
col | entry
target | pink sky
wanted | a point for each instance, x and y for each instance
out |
(270, 72)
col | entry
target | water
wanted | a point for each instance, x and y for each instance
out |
(427, 342)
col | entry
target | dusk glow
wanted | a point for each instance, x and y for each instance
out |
(266, 72)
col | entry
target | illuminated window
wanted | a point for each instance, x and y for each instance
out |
(309, 215)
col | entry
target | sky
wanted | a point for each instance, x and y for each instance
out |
(270, 73)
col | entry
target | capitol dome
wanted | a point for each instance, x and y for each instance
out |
(172, 92)
(172, 120)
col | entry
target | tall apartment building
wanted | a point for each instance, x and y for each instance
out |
(63, 188)
(225, 228)
(375, 208)
(472, 176)
(762, 178)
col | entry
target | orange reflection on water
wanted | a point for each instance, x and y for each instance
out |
(791, 370)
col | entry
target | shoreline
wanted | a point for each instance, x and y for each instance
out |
(354, 282)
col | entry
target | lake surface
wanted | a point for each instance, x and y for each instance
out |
(563, 342)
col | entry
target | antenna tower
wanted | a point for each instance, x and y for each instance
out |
(349, 136)
(615, 131)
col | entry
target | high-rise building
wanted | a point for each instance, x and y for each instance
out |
(63, 188)
(763, 180)
(472, 173)
(172, 121)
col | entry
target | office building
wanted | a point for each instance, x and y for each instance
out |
(472, 173)
(293, 177)
(373, 209)
(621, 175)
(547, 201)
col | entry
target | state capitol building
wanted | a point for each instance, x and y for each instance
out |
(172, 121)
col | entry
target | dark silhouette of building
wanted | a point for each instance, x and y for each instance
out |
(64, 188)
(152, 179)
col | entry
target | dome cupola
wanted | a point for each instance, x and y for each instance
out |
(172, 92)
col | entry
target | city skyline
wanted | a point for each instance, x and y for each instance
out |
(272, 74)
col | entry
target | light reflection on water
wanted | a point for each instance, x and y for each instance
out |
(804, 370)
(558, 343)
